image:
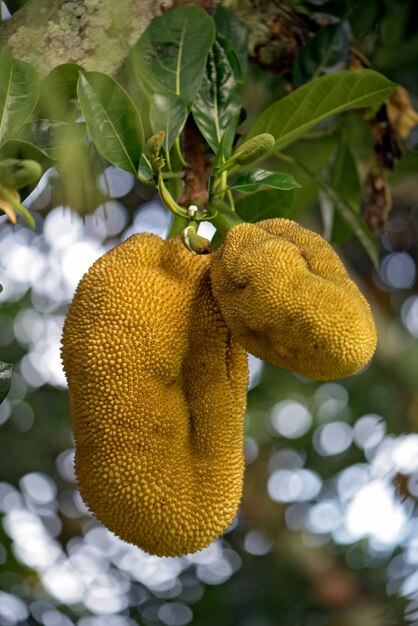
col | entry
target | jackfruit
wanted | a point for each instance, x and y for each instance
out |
(157, 389)
(288, 299)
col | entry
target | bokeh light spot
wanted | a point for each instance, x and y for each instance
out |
(398, 270)
(12, 609)
(409, 314)
(38, 487)
(175, 614)
(293, 485)
(369, 431)
(374, 512)
(291, 419)
(115, 182)
(257, 542)
(333, 438)
(324, 517)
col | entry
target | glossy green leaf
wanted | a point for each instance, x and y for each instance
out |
(170, 56)
(145, 171)
(76, 185)
(315, 154)
(346, 183)
(265, 204)
(234, 31)
(59, 92)
(254, 179)
(5, 379)
(295, 114)
(167, 113)
(354, 220)
(51, 137)
(328, 48)
(217, 105)
(112, 119)
(19, 92)
(224, 148)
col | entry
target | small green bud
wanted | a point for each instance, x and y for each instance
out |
(17, 173)
(249, 151)
(195, 243)
(253, 149)
(152, 150)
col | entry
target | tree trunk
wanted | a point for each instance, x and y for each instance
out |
(97, 34)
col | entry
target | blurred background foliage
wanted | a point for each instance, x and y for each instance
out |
(327, 534)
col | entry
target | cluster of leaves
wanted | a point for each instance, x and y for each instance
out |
(186, 65)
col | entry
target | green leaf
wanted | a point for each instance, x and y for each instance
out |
(167, 113)
(253, 179)
(354, 220)
(170, 56)
(294, 115)
(328, 48)
(234, 31)
(112, 119)
(224, 148)
(19, 92)
(59, 92)
(5, 379)
(76, 187)
(346, 183)
(51, 137)
(218, 105)
(145, 171)
(315, 154)
(265, 205)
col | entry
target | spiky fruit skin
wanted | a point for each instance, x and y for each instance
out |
(288, 299)
(157, 391)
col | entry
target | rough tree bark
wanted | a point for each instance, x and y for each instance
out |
(97, 34)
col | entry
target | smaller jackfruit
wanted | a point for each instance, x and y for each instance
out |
(288, 299)
(157, 389)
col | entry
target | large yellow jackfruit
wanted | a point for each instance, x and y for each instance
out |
(288, 299)
(157, 392)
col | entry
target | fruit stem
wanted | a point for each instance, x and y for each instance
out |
(177, 226)
(224, 217)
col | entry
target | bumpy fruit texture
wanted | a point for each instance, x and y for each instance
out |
(157, 395)
(288, 299)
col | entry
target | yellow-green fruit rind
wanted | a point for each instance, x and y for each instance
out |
(157, 392)
(288, 299)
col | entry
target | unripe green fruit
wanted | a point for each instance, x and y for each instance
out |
(17, 173)
(248, 152)
(253, 149)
